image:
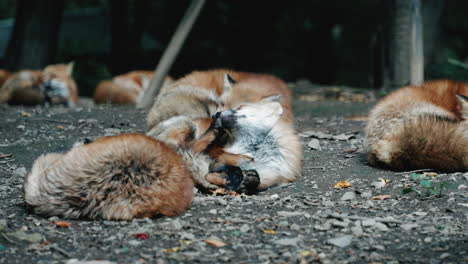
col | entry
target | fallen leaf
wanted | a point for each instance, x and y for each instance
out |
(381, 197)
(215, 243)
(62, 224)
(185, 242)
(44, 243)
(308, 253)
(220, 191)
(430, 174)
(59, 126)
(26, 114)
(342, 184)
(269, 231)
(171, 250)
(141, 236)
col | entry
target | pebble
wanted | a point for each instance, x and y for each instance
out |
(348, 196)
(342, 241)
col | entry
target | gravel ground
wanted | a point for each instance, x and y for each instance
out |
(384, 217)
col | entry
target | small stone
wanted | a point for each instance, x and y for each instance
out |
(368, 222)
(380, 226)
(20, 172)
(462, 187)
(348, 196)
(428, 239)
(274, 196)
(341, 242)
(213, 211)
(287, 241)
(314, 144)
(245, 228)
(408, 227)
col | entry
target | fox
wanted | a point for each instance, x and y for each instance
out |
(206, 93)
(52, 85)
(420, 127)
(200, 94)
(128, 88)
(115, 178)
(257, 130)
(4, 75)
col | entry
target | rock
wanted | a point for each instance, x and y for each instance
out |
(342, 241)
(245, 228)
(408, 227)
(314, 144)
(348, 196)
(462, 187)
(287, 241)
(20, 172)
(3, 224)
(381, 227)
(368, 222)
(21, 235)
(213, 211)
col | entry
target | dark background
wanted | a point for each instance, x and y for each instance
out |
(331, 42)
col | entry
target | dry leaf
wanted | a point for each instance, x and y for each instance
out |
(308, 253)
(171, 250)
(59, 126)
(185, 242)
(430, 174)
(26, 114)
(381, 197)
(44, 243)
(62, 224)
(215, 243)
(269, 231)
(342, 184)
(141, 236)
(220, 191)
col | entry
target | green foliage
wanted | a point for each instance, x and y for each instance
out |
(429, 186)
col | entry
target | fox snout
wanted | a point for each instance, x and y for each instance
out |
(226, 118)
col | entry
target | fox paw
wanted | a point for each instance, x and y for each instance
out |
(250, 183)
(233, 174)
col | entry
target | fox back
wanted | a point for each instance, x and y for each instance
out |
(420, 127)
(114, 178)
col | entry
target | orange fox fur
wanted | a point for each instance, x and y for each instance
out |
(114, 178)
(126, 88)
(420, 127)
(53, 84)
(4, 75)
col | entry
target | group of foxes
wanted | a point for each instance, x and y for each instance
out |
(229, 129)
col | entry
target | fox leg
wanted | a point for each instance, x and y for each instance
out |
(224, 157)
(233, 178)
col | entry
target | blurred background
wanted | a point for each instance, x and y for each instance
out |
(331, 42)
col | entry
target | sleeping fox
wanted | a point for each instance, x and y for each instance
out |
(420, 126)
(52, 85)
(128, 88)
(203, 93)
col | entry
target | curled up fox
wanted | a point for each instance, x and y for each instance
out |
(420, 126)
(260, 126)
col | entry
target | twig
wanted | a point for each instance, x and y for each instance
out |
(9, 239)
(413, 171)
(318, 168)
(61, 251)
(458, 63)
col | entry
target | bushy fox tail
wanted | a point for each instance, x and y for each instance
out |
(426, 141)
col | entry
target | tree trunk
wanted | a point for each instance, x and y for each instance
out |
(406, 45)
(34, 40)
(431, 12)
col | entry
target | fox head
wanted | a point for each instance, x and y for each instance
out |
(264, 114)
(57, 84)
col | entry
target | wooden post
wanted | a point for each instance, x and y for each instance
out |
(417, 45)
(171, 52)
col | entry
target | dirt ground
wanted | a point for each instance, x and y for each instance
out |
(424, 219)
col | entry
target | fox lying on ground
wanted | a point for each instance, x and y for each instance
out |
(117, 178)
(53, 85)
(420, 127)
(201, 94)
(128, 88)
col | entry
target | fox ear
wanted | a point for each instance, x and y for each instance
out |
(272, 98)
(463, 102)
(70, 67)
(227, 86)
